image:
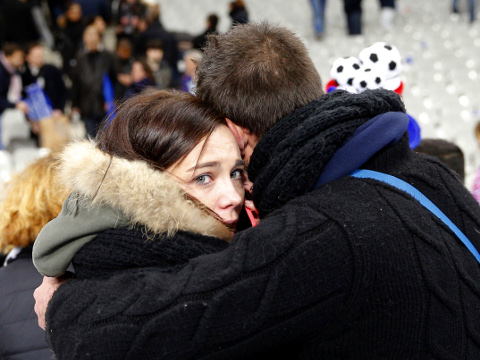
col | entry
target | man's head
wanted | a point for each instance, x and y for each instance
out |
(74, 12)
(255, 75)
(35, 55)
(212, 22)
(91, 38)
(191, 58)
(154, 50)
(14, 55)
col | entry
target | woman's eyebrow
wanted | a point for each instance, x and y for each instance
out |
(204, 165)
(239, 163)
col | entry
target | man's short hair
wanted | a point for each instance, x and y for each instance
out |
(256, 74)
(10, 48)
(32, 45)
(154, 44)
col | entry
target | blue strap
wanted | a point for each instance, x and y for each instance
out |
(409, 189)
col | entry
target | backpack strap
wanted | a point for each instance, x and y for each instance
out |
(417, 195)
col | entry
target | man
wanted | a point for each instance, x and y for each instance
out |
(11, 60)
(92, 64)
(48, 76)
(338, 267)
(199, 41)
(152, 28)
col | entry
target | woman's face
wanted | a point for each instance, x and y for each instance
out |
(138, 72)
(213, 173)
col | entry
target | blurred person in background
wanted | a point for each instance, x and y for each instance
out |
(47, 76)
(238, 12)
(94, 8)
(69, 35)
(57, 9)
(99, 24)
(445, 151)
(188, 78)
(131, 13)
(11, 60)
(471, 9)
(142, 78)
(152, 28)
(200, 40)
(353, 12)
(318, 7)
(123, 66)
(91, 65)
(32, 199)
(160, 68)
(476, 181)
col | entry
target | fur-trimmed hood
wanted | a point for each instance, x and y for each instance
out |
(110, 193)
(146, 196)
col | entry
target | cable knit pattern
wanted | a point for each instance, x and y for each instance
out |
(353, 270)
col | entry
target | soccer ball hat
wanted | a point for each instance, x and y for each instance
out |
(378, 66)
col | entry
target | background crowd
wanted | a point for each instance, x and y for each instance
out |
(144, 53)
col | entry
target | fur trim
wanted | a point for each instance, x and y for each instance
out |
(147, 196)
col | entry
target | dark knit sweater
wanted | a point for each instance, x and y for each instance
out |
(353, 270)
(117, 250)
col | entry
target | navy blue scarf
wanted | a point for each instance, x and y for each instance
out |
(381, 131)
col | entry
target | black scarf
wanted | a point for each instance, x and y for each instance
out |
(289, 159)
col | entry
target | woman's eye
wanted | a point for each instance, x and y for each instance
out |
(203, 179)
(237, 174)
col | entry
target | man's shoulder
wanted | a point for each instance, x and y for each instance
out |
(3, 71)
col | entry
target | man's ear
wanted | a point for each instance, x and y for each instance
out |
(238, 134)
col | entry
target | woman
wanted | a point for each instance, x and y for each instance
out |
(162, 184)
(141, 76)
(238, 12)
(33, 198)
(166, 169)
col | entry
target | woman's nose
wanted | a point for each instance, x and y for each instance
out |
(232, 196)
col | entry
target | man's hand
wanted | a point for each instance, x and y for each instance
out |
(43, 294)
(35, 127)
(22, 106)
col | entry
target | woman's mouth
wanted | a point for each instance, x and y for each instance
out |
(231, 224)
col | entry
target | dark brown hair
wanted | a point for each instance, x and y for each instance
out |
(447, 152)
(238, 4)
(31, 45)
(10, 48)
(213, 19)
(154, 44)
(256, 74)
(146, 68)
(159, 127)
